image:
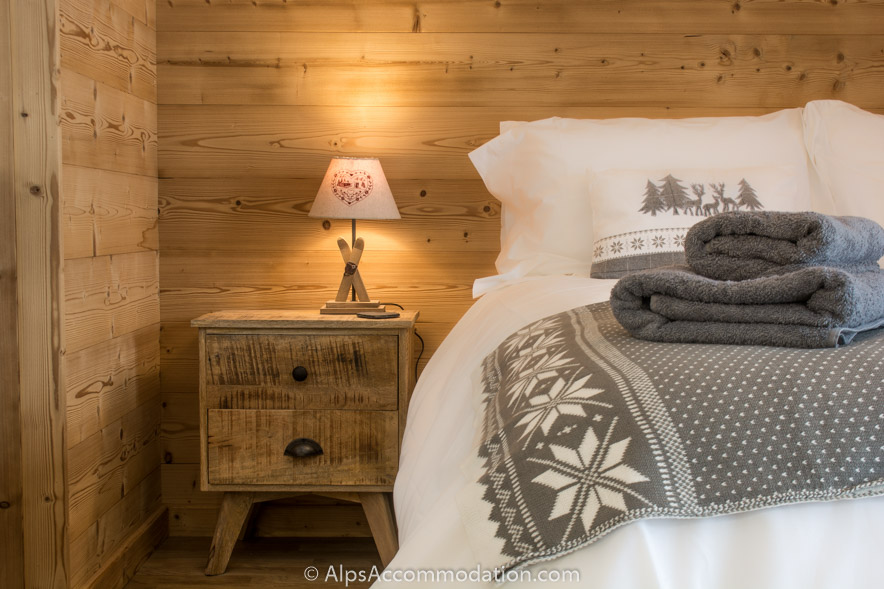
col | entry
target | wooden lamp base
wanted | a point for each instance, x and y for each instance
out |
(351, 280)
(349, 307)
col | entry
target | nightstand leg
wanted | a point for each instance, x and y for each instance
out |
(234, 509)
(378, 509)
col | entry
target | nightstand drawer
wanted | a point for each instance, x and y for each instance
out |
(247, 447)
(302, 371)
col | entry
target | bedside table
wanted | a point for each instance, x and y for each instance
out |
(298, 402)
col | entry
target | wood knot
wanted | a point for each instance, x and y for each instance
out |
(326, 225)
(36, 190)
(423, 193)
(5, 505)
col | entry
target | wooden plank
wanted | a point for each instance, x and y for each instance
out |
(340, 69)
(108, 212)
(36, 184)
(121, 566)
(110, 296)
(297, 142)
(102, 41)
(143, 10)
(105, 128)
(11, 523)
(180, 429)
(526, 16)
(181, 486)
(110, 464)
(269, 214)
(95, 548)
(106, 381)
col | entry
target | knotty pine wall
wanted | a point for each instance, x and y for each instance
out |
(112, 313)
(255, 97)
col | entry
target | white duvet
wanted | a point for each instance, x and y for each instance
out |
(806, 546)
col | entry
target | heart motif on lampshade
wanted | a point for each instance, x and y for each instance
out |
(352, 186)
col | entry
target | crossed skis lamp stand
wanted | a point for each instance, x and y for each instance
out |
(353, 188)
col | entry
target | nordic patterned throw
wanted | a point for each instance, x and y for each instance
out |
(586, 429)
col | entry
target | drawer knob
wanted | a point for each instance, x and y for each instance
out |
(299, 373)
(302, 448)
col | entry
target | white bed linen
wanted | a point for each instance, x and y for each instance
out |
(806, 546)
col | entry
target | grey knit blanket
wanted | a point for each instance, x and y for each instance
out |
(738, 245)
(812, 307)
(587, 429)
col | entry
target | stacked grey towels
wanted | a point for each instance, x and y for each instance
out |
(802, 280)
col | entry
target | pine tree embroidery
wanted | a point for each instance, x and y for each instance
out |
(673, 194)
(748, 197)
(652, 203)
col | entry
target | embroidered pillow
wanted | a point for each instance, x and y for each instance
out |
(538, 172)
(641, 217)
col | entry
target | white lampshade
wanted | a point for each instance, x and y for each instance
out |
(354, 188)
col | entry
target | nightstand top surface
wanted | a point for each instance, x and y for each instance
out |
(303, 319)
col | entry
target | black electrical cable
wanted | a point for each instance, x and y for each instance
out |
(423, 345)
(421, 353)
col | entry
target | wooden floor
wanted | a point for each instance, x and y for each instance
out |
(268, 563)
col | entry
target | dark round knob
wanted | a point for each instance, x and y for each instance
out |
(302, 448)
(299, 373)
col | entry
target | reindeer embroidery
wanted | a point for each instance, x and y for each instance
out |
(711, 208)
(699, 190)
(728, 203)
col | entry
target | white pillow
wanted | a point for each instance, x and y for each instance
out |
(846, 145)
(538, 172)
(641, 217)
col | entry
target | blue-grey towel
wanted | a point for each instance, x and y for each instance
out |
(812, 307)
(739, 245)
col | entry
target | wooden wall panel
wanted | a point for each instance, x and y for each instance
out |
(108, 123)
(11, 523)
(105, 128)
(34, 509)
(108, 212)
(255, 97)
(489, 69)
(525, 16)
(110, 296)
(105, 43)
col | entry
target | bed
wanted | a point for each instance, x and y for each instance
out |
(805, 545)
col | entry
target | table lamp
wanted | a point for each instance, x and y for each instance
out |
(353, 188)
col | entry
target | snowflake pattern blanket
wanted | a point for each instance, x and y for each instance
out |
(586, 429)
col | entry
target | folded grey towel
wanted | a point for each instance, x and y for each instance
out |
(812, 307)
(738, 245)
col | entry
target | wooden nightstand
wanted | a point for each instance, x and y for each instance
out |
(295, 401)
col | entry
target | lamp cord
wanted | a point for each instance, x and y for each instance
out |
(423, 345)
